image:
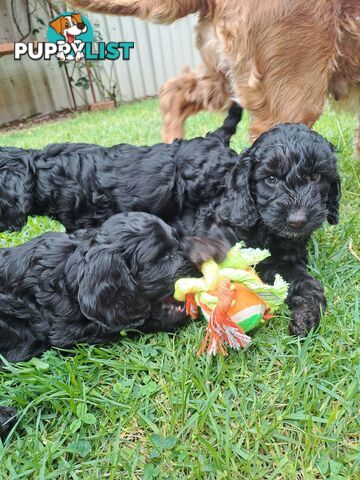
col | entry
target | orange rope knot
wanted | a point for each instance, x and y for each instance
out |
(222, 330)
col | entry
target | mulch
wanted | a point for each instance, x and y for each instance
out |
(39, 119)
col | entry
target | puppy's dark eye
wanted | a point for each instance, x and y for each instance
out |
(67, 24)
(315, 178)
(271, 180)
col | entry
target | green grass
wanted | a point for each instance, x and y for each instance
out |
(149, 408)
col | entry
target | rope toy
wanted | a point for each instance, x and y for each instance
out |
(232, 298)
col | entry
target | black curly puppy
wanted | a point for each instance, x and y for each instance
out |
(61, 289)
(82, 185)
(274, 196)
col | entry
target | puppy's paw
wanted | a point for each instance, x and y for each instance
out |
(166, 316)
(304, 317)
(173, 316)
(200, 250)
(7, 420)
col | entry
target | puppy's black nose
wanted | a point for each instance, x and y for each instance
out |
(297, 219)
(81, 26)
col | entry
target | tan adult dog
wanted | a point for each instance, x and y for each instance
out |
(279, 59)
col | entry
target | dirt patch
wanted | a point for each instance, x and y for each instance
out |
(40, 119)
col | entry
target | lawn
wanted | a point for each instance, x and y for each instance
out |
(149, 408)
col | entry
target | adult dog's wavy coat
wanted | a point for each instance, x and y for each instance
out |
(279, 59)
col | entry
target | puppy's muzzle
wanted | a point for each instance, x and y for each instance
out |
(297, 219)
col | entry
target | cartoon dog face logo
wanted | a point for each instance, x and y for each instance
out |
(69, 26)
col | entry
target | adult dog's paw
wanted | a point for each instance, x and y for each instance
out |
(304, 317)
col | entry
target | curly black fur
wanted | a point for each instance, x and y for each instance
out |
(92, 284)
(61, 289)
(193, 184)
(83, 185)
(275, 195)
(7, 420)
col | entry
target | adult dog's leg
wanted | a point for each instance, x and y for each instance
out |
(164, 11)
(280, 69)
(279, 99)
(206, 88)
(357, 141)
(187, 94)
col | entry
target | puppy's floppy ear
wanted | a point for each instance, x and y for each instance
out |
(16, 188)
(333, 202)
(237, 206)
(335, 189)
(107, 292)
